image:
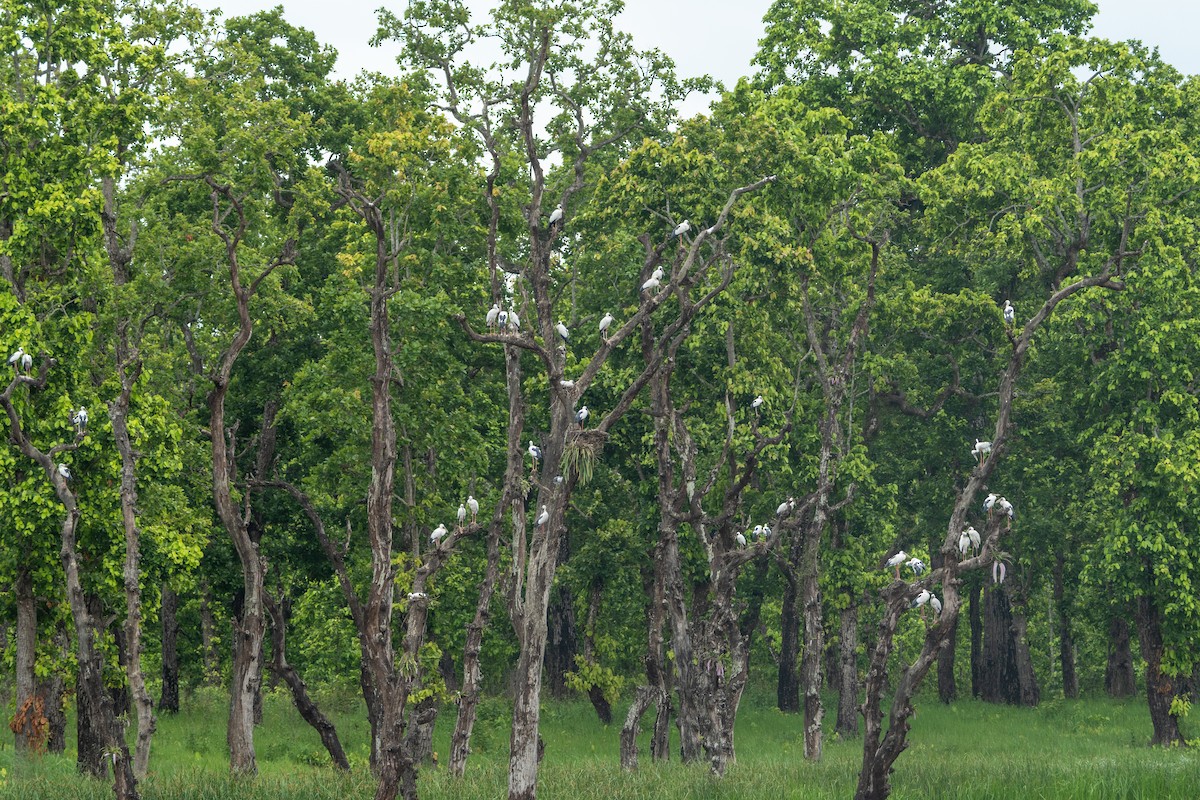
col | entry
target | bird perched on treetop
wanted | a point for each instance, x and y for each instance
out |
(785, 507)
(542, 518)
(681, 229)
(741, 539)
(562, 330)
(80, 419)
(757, 402)
(64, 471)
(916, 565)
(921, 599)
(492, 315)
(462, 514)
(582, 414)
(1010, 313)
(438, 534)
(981, 450)
(473, 504)
(556, 215)
(534, 451)
(896, 561)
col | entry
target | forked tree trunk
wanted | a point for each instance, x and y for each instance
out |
(1160, 688)
(169, 699)
(1119, 680)
(847, 674)
(472, 683)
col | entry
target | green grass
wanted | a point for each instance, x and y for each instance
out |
(1094, 748)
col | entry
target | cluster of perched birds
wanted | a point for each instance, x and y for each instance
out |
(440, 532)
(969, 539)
(23, 362)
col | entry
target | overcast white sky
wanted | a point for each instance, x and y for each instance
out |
(712, 37)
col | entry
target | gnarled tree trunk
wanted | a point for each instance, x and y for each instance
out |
(847, 674)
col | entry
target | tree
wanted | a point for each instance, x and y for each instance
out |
(1069, 163)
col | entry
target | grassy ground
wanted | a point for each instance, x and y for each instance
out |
(1093, 748)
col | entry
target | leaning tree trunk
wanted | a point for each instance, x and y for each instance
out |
(1160, 688)
(304, 703)
(1119, 680)
(169, 699)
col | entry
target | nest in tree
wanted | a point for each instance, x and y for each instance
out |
(581, 453)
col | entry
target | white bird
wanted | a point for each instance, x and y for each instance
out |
(741, 539)
(916, 565)
(973, 535)
(1005, 507)
(711, 231)
(757, 533)
(438, 534)
(80, 419)
(15, 358)
(502, 320)
(567, 384)
(937, 604)
(921, 599)
(681, 228)
(988, 502)
(757, 402)
(64, 471)
(582, 414)
(658, 273)
(473, 504)
(556, 215)
(414, 596)
(492, 315)
(605, 321)
(896, 561)
(514, 321)
(462, 514)
(766, 532)
(562, 330)
(543, 518)
(651, 283)
(981, 450)
(558, 479)
(1010, 313)
(26, 362)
